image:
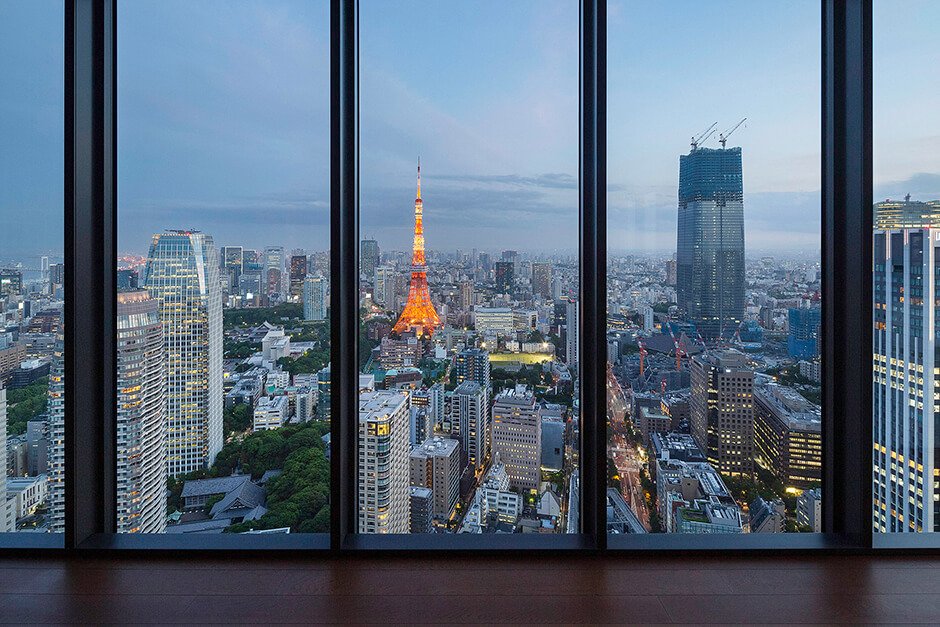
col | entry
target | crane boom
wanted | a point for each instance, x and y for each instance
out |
(703, 135)
(723, 137)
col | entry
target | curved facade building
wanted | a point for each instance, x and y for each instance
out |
(141, 424)
(182, 275)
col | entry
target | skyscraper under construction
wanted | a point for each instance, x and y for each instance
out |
(710, 242)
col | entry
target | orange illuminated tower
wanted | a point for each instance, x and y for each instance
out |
(419, 314)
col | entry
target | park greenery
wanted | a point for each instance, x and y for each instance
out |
(298, 497)
(253, 316)
(25, 404)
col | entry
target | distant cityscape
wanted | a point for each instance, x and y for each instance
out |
(469, 388)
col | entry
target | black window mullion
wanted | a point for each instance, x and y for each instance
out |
(592, 320)
(89, 270)
(847, 240)
(344, 267)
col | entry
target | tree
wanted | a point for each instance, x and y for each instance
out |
(237, 418)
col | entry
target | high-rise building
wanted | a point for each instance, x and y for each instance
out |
(473, 364)
(905, 460)
(470, 413)
(542, 279)
(671, 271)
(127, 279)
(298, 272)
(56, 275)
(384, 501)
(517, 437)
(803, 336)
(505, 277)
(419, 314)
(141, 423)
(55, 464)
(274, 271)
(436, 465)
(11, 281)
(233, 258)
(788, 435)
(316, 290)
(368, 257)
(466, 295)
(383, 291)
(323, 393)
(722, 411)
(182, 275)
(710, 242)
(573, 336)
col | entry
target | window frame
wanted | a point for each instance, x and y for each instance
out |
(90, 243)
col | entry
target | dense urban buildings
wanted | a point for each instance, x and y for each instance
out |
(182, 275)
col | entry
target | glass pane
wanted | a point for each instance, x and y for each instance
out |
(468, 419)
(32, 274)
(906, 475)
(714, 267)
(223, 266)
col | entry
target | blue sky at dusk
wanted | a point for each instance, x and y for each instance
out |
(224, 118)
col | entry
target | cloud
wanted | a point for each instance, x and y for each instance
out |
(921, 186)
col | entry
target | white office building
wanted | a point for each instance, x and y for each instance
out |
(271, 412)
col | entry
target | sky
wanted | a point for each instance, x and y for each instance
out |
(223, 118)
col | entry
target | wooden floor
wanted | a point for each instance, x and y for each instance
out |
(461, 589)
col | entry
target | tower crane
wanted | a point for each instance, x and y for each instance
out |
(704, 135)
(723, 137)
(642, 356)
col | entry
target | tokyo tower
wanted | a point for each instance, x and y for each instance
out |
(419, 314)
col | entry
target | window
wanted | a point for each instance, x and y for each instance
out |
(32, 271)
(906, 269)
(714, 283)
(469, 347)
(223, 337)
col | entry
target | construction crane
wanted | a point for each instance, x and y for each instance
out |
(678, 349)
(704, 135)
(723, 137)
(642, 356)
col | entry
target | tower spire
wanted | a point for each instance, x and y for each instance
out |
(419, 314)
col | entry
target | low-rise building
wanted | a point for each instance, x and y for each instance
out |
(767, 516)
(809, 510)
(270, 413)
